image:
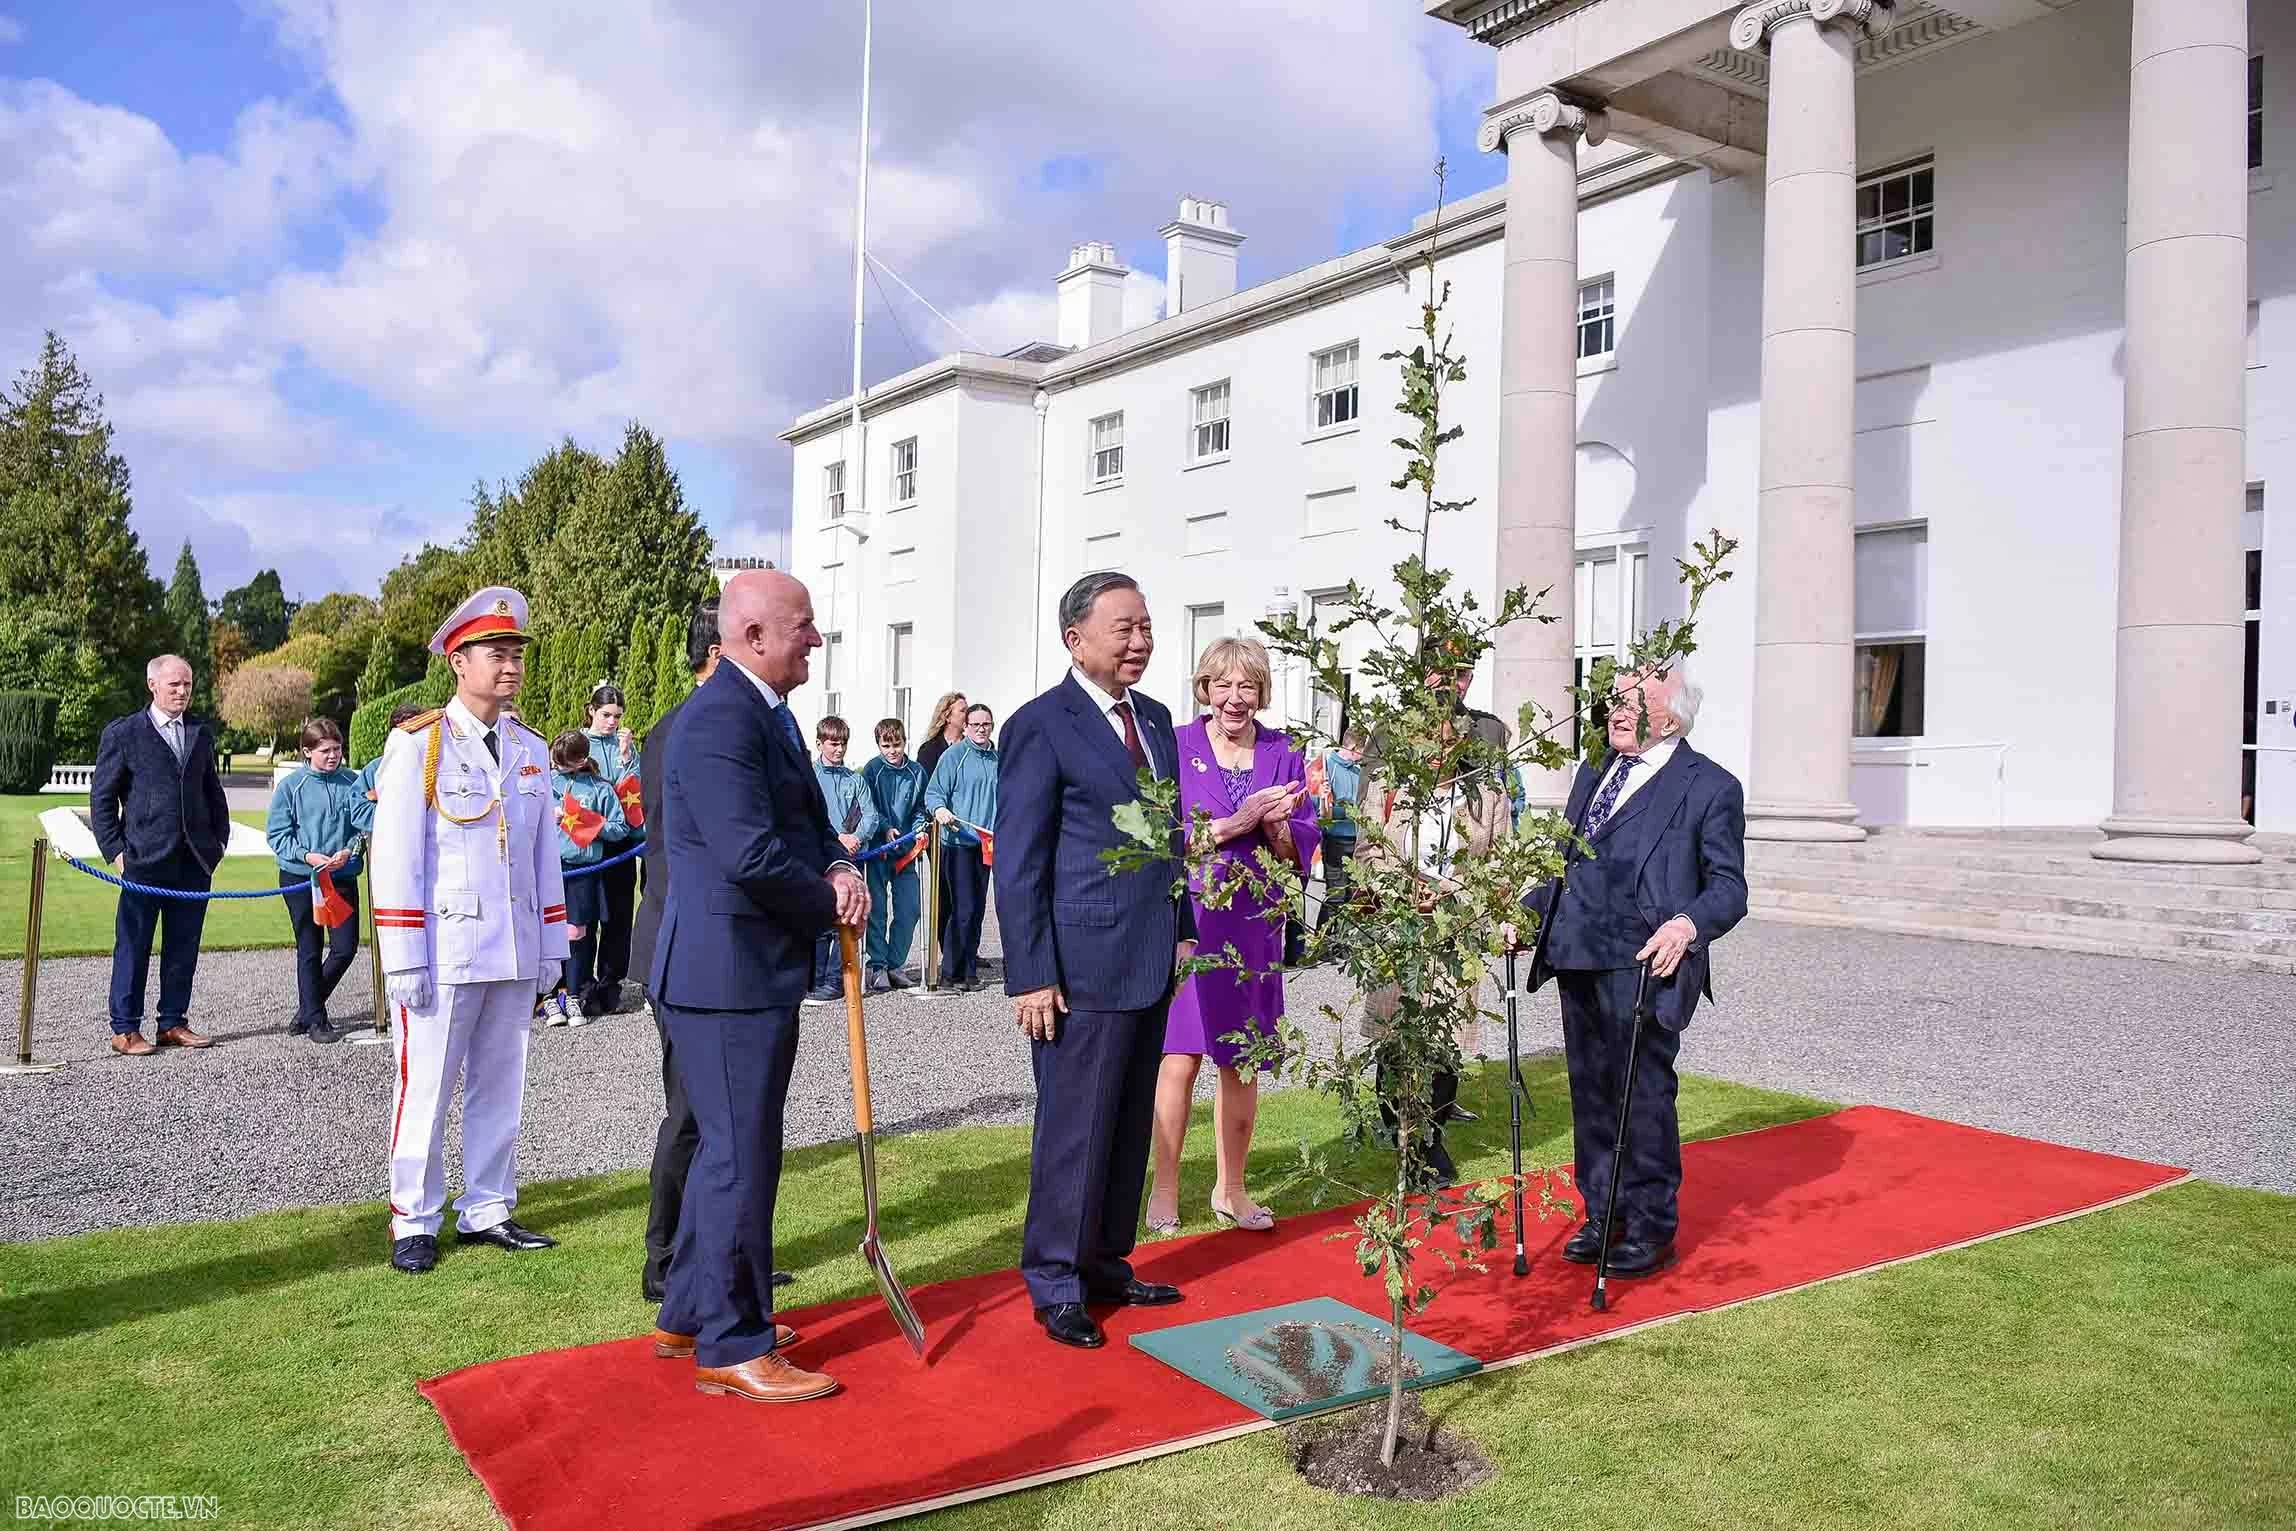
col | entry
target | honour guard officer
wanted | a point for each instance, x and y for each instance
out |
(470, 918)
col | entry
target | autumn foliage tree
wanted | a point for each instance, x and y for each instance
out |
(267, 700)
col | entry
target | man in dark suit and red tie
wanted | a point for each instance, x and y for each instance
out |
(1089, 957)
(755, 874)
(157, 808)
(1666, 881)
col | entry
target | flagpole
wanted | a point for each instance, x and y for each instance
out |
(857, 459)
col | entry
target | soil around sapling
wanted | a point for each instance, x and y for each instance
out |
(1340, 1453)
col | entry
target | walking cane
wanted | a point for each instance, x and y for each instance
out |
(1516, 1094)
(865, 1133)
(1618, 1152)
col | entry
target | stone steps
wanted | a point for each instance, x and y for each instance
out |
(2038, 889)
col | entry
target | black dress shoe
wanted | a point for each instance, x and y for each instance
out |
(1139, 1294)
(1640, 1257)
(323, 1032)
(414, 1254)
(782, 1278)
(1455, 1112)
(1069, 1324)
(506, 1235)
(1585, 1246)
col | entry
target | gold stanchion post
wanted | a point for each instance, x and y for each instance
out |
(24, 1063)
(932, 908)
(382, 1031)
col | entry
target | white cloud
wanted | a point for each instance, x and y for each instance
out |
(543, 219)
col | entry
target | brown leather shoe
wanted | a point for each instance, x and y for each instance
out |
(184, 1036)
(130, 1044)
(768, 1379)
(680, 1347)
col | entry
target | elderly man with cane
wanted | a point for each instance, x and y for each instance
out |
(1661, 879)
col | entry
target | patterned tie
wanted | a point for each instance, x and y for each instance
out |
(1606, 800)
(789, 727)
(1131, 736)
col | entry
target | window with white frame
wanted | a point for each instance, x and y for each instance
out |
(833, 490)
(1205, 623)
(1609, 609)
(1208, 437)
(1597, 318)
(1897, 213)
(832, 674)
(1891, 672)
(904, 471)
(2256, 112)
(1108, 448)
(900, 654)
(1334, 386)
(1325, 607)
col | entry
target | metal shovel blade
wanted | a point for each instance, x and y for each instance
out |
(864, 1133)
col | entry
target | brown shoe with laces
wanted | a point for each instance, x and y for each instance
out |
(184, 1036)
(768, 1379)
(680, 1347)
(131, 1044)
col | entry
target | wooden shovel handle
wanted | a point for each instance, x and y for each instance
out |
(856, 1034)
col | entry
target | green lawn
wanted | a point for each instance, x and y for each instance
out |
(78, 920)
(2131, 1368)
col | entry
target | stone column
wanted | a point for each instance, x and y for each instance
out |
(1804, 568)
(1538, 402)
(2176, 724)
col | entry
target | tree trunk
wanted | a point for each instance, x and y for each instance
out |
(1405, 1132)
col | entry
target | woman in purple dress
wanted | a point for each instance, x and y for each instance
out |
(1252, 782)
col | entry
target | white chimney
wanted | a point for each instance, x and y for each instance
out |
(1091, 295)
(1199, 256)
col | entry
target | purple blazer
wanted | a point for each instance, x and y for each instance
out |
(1209, 1006)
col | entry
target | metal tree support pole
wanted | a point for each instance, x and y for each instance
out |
(24, 1063)
(382, 1031)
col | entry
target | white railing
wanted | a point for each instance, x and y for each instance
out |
(2000, 766)
(70, 778)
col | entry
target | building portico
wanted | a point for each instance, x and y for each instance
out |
(1772, 87)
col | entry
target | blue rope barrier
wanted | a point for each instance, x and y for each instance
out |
(889, 848)
(600, 866)
(100, 875)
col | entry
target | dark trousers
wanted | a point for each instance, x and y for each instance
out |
(1336, 854)
(1598, 1017)
(674, 1146)
(969, 890)
(178, 921)
(1088, 1152)
(828, 964)
(620, 886)
(322, 956)
(735, 1067)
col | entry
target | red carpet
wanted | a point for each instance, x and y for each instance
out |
(606, 1435)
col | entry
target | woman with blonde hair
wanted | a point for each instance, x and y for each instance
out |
(1252, 784)
(945, 728)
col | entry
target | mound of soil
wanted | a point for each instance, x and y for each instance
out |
(1340, 1452)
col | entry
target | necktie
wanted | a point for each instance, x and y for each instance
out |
(493, 748)
(789, 727)
(175, 738)
(1131, 737)
(1606, 800)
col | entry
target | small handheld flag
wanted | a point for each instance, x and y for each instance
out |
(580, 824)
(633, 804)
(330, 908)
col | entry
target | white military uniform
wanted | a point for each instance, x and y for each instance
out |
(466, 883)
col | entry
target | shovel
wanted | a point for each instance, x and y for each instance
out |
(865, 1133)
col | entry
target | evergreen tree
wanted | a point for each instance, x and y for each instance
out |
(187, 619)
(512, 530)
(627, 544)
(589, 669)
(634, 673)
(260, 610)
(672, 680)
(77, 595)
(535, 700)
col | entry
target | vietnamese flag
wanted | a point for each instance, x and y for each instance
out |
(330, 908)
(633, 805)
(581, 824)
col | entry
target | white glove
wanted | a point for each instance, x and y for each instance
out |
(411, 989)
(552, 970)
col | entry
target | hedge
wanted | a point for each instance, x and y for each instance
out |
(371, 722)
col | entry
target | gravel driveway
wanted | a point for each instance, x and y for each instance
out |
(2181, 1064)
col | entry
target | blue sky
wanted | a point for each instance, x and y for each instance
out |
(333, 261)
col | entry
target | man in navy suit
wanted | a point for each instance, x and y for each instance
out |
(1089, 957)
(1667, 878)
(158, 810)
(754, 876)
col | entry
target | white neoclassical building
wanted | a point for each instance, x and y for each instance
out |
(1974, 322)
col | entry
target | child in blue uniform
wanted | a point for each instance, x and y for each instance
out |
(573, 771)
(896, 787)
(964, 791)
(854, 817)
(614, 754)
(318, 817)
